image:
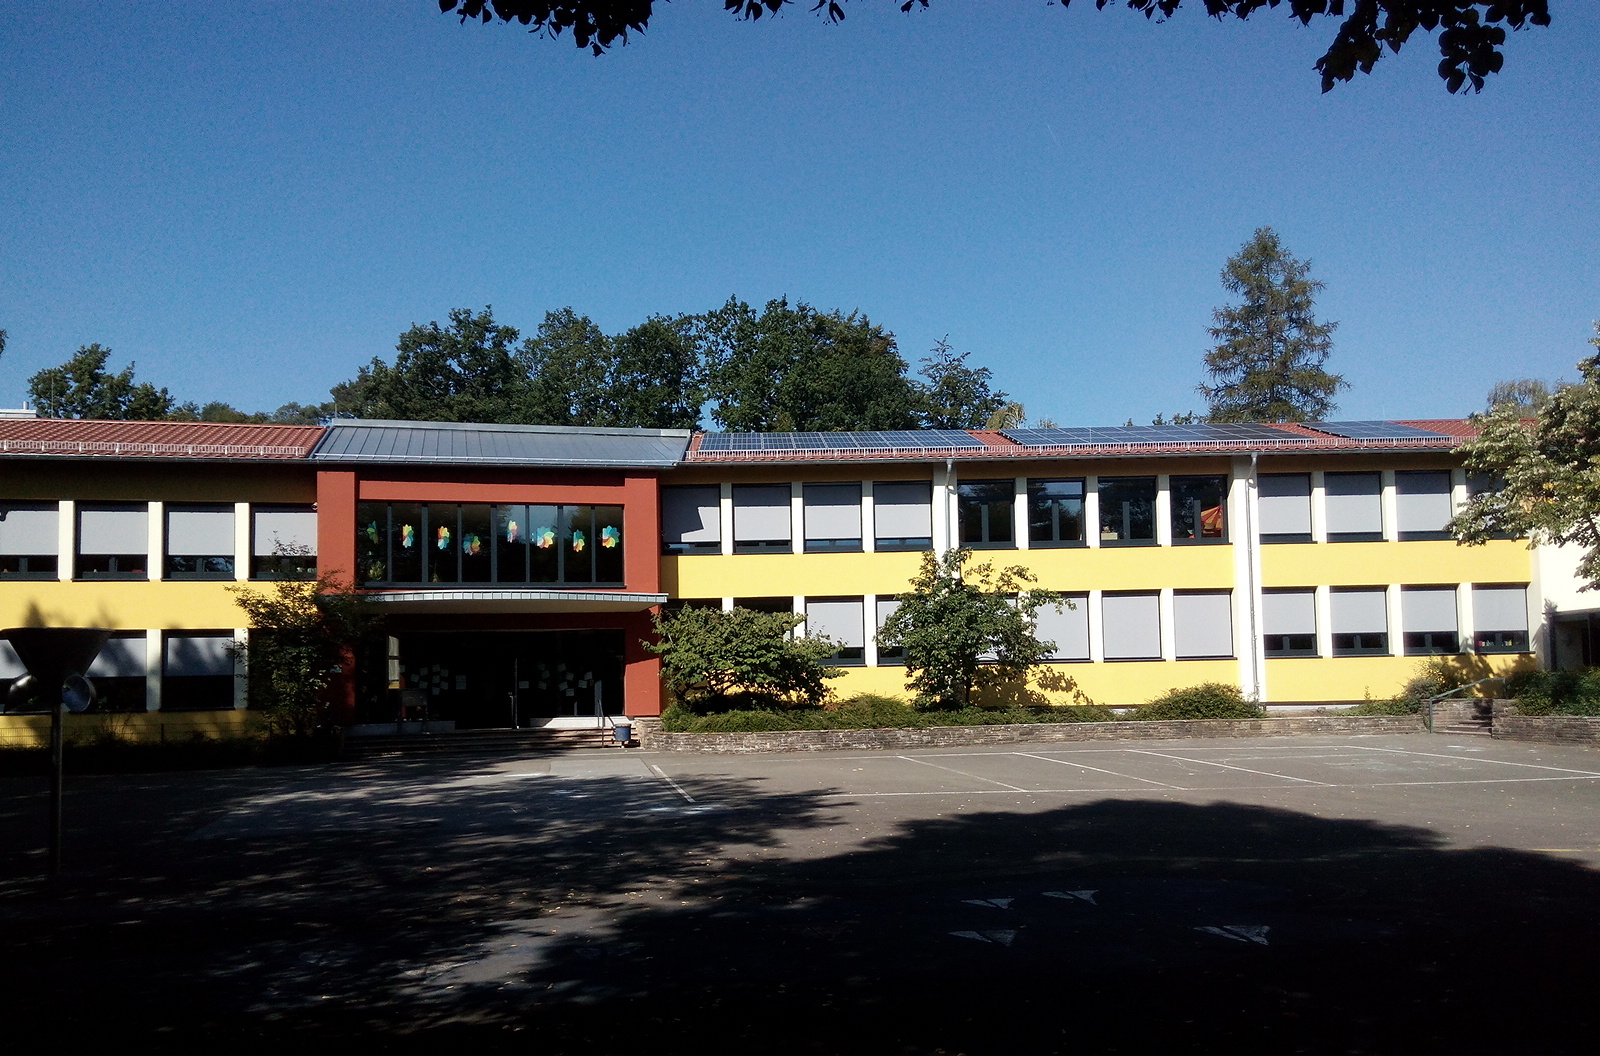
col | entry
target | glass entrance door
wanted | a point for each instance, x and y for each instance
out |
(490, 679)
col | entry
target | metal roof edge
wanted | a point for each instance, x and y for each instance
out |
(508, 427)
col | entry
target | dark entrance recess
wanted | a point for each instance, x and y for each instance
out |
(490, 679)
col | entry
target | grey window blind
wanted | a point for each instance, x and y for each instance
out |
(114, 530)
(761, 513)
(886, 608)
(192, 655)
(1359, 612)
(1500, 608)
(903, 510)
(1355, 506)
(1422, 502)
(1132, 624)
(833, 511)
(10, 662)
(1285, 500)
(1428, 609)
(691, 515)
(1068, 628)
(28, 530)
(1202, 624)
(296, 529)
(836, 618)
(122, 657)
(1289, 612)
(200, 532)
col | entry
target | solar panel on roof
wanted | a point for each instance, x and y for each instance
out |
(1145, 434)
(1375, 431)
(889, 440)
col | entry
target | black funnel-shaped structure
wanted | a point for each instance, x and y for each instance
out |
(52, 653)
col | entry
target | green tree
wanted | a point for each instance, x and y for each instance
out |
(1546, 471)
(959, 396)
(1267, 365)
(301, 631)
(715, 661)
(83, 388)
(466, 372)
(656, 379)
(1471, 32)
(1529, 395)
(965, 629)
(793, 368)
(566, 362)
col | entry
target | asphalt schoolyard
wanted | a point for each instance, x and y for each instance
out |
(1324, 894)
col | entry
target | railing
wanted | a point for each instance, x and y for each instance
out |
(107, 447)
(1431, 701)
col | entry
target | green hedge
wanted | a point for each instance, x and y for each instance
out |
(1209, 700)
(1556, 692)
(870, 711)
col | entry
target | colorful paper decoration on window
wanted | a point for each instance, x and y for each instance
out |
(1211, 522)
(544, 537)
(577, 541)
(372, 531)
(408, 536)
(444, 537)
(511, 531)
(610, 536)
(471, 544)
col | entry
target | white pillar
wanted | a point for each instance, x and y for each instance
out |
(1245, 536)
(869, 624)
(1391, 509)
(725, 502)
(1163, 510)
(157, 532)
(727, 604)
(869, 520)
(1466, 626)
(1097, 627)
(241, 542)
(1396, 625)
(152, 669)
(1169, 634)
(1019, 514)
(1319, 507)
(1324, 603)
(797, 517)
(241, 688)
(1091, 512)
(1458, 490)
(66, 540)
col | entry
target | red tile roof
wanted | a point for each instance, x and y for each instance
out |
(71, 438)
(1448, 426)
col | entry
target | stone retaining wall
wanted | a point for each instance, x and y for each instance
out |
(651, 737)
(1551, 729)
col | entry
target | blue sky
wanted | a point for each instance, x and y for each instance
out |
(252, 200)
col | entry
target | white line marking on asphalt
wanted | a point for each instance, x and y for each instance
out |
(1096, 769)
(675, 786)
(963, 773)
(1003, 938)
(1256, 933)
(1457, 758)
(1226, 766)
(991, 903)
(1084, 896)
(1207, 789)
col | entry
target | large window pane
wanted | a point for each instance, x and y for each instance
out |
(1285, 504)
(406, 542)
(1428, 621)
(1055, 512)
(691, 519)
(1422, 504)
(283, 541)
(1500, 618)
(608, 544)
(1355, 507)
(113, 542)
(511, 534)
(832, 517)
(477, 545)
(577, 555)
(1202, 624)
(1199, 506)
(902, 512)
(841, 620)
(1132, 624)
(762, 518)
(1360, 622)
(1127, 509)
(198, 672)
(199, 542)
(544, 524)
(444, 541)
(889, 656)
(986, 510)
(1067, 627)
(28, 540)
(1289, 622)
(372, 542)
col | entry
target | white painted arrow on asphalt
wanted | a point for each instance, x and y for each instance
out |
(1256, 933)
(1086, 896)
(1002, 938)
(992, 903)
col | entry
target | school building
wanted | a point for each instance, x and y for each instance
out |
(517, 567)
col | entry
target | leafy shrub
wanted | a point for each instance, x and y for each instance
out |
(869, 711)
(1556, 692)
(1209, 700)
(1432, 677)
(715, 661)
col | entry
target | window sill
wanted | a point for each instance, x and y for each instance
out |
(1355, 537)
(1200, 542)
(1112, 544)
(1218, 656)
(1057, 544)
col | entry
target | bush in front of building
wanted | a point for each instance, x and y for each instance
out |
(871, 711)
(1433, 677)
(1556, 692)
(742, 660)
(1209, 700)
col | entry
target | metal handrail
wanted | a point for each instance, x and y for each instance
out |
(1430, 701)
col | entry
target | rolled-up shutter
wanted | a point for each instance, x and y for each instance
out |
(840, 619)
(1500, 608)
(1289, 612)
(903, 510)
(1132, 624)
(1202, 624)
(1355, 505)
(121, 657)
(1359, 612)
(833, 511)
(114, 530)
(200, 532)
(1285, 501)
(28, 530)
(761, 514)
(277, 531)
(691, 515)
(1422, 504)
(1428, 609)
(1067, 627)
(194, 655)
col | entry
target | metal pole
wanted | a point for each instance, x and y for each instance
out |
(55, 786)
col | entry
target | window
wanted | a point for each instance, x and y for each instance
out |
(691, 520)
(1484, 484)
(1285, 502)
(199, 542)
(198, 669)
(897, 654)
(1360, 622)
(762, 522)
(113, 542)
(118, 673)
(1428, 621)
(446, 544)
(902, 514)
(1202, 624)
(1127, 510)
(1289, 619)
(283, 542)
(986, 509)
(841, 620)
(1500, 616)
(832, 517)
(1055, 513)
(1068, 627)
(28, 541)
(1422, 504)
(1199, 509)
(1132, 625)
(1355, 507)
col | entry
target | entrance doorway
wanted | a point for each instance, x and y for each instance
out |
(490, 679)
